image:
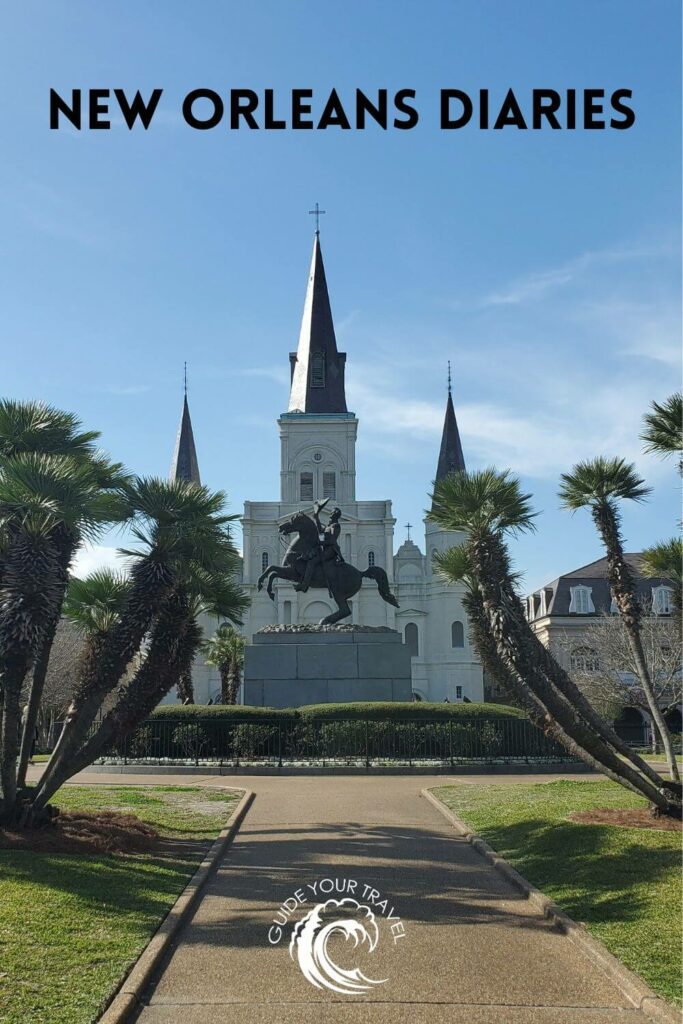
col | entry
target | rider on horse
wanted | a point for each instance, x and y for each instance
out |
(327, 548)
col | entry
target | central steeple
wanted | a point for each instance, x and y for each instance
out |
(317, 368)
(451, 459)
(184, 465)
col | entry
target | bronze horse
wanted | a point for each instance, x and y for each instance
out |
(340, 579)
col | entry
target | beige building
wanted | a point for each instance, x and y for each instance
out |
(562, 613)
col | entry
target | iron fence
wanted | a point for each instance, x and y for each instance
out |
(335, 742)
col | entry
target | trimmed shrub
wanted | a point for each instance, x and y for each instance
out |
(363, 710)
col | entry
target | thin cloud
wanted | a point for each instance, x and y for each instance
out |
(533, 286)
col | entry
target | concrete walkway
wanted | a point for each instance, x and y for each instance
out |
(473, 950)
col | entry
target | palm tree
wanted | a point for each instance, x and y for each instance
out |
(43, 499)
(183, 534)
(665, 561)
(94, 603)
(225, 650)
(599, 484)
(41, 429)
(663, 430)
(488, 506)
(173, 642)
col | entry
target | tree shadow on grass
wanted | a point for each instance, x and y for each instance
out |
(119, 885)
(601, 871)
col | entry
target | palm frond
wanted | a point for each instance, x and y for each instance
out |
(663, 427)
(56, 490)
(41, 428)
(95, 603)
(601, 481)
(664, 560)
(454, 566)
(487, 499)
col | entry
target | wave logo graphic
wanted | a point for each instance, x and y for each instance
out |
(312, 934)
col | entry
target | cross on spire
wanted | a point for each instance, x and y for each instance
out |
(409, 527)
(450, 389)
(317, 213)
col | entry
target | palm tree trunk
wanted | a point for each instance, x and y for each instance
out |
(225, 683)
(234, 685)
(524, 656)
(185, 687)
(636, 645)
(173, 645)
(104, 665)
(13, 676)
(65, 551)
(527, 700)
(623, 586)
(565, 685)
(28, 586)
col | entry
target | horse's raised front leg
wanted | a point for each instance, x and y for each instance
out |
(276, 572)
(268, 571)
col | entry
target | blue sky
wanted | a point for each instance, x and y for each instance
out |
(544, 265)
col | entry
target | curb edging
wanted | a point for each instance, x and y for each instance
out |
(634, 988)
(127, 999)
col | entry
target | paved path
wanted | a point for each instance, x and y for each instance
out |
(473, 951)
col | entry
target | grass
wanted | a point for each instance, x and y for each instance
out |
(623, 883)
(71, 925)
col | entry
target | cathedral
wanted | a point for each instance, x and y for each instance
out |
(318, 460)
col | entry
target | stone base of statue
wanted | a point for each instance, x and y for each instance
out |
(288, 666)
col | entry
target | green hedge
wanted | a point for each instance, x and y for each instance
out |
(353, 732)
(363, 710)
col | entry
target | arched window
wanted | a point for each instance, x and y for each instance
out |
(306, 487)
(265, 561)
(584, 659)
(371, 557)
(411, 639)
(457, 634)
(318, 370)
(329, 485)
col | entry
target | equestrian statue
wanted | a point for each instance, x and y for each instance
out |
(314, 559)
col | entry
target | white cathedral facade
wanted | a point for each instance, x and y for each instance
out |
(318, 460)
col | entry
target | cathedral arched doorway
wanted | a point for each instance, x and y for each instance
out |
(315, 611)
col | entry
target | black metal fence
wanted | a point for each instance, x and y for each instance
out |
(335, 742)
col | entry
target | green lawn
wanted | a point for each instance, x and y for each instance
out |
(623, 883)
(72, 924)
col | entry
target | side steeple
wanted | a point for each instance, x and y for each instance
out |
(317, 368)
(451, 459)
(184, 465)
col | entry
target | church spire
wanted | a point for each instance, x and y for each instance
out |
(451, 459)
(317, 367)
(184, 465)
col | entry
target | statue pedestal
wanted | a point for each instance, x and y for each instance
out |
(288, 666)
